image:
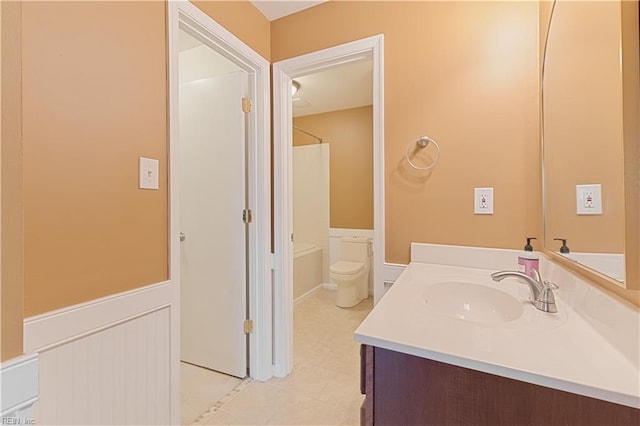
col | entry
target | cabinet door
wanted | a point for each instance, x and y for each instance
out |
(409, 390)
(366, 384)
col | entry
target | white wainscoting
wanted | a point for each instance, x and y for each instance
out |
(105, 362)
(18, 390)
(390, 273)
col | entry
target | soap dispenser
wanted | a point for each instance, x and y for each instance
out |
(528, 260)
(563, 249)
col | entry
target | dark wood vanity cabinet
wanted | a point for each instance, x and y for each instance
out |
(407, 390)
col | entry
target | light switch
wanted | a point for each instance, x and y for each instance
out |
(148, 173)
(483, 201)
(589, 199)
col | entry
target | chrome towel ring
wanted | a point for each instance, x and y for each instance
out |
(422, 142)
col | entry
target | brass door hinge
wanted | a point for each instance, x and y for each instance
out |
(248, 326)
(246, 105)
(247, 216)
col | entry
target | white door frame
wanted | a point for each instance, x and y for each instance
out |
(183, 14)
(283, 73)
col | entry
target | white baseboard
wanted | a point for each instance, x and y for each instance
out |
(330, 286)
(19, 389)
(307, 294)
(390, 273)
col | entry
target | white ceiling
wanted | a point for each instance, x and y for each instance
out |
(274, 9)
(198, 61)
(187, 41)
(340, 87)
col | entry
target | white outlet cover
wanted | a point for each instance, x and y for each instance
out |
(483, 201)
(589, 199)
(148, 178)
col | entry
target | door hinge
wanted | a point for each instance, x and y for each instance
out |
(246, 105)
(248, 326)
(247, 216)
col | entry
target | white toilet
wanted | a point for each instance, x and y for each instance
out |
(351, 273)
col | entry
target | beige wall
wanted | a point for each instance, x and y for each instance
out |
(466, 74)
(350, 136)
(95, 99)
(243, 20)
(11, 278)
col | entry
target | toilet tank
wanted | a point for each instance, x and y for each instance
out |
(355, 249)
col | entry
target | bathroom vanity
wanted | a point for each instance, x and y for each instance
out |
(404, 389)
(470, 356)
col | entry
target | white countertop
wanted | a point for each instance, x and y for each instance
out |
(561, 351)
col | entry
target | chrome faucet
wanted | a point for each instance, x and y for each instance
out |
(542, 295)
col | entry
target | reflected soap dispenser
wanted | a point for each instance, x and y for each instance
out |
(528, 260)
(563, 249)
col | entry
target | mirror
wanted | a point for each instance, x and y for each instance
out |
(589, 119)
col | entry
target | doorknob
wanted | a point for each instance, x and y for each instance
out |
(182, 237)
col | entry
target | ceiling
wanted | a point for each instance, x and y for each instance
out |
(339, 87)
(274, 9)
(344, 86)
(187, 41)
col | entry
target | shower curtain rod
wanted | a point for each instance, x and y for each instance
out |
(310, 134)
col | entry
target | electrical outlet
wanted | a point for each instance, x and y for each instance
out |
(483, 201)
(589, 199)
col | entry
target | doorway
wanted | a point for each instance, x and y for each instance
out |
(220, 257)
(283, 74)
(212, 149)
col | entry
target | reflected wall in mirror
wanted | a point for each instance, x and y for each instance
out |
(589, 98)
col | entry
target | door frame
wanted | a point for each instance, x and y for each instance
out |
(283, 72)
(183, 14)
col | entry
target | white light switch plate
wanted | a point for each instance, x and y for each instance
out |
(483, 201)
(589, 199)
(148, 168)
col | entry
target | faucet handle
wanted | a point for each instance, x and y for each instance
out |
(546, 292)
(546, 300)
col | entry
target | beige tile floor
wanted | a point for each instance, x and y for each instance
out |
(323, 388)
(199, 388)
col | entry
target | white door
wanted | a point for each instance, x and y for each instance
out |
(212, 198)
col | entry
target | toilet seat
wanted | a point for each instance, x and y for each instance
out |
(344, 267)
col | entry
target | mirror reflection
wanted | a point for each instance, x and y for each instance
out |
(590, 47)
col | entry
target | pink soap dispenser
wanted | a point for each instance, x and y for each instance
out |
(528, 260)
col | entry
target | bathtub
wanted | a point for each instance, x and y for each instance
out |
(307, 268)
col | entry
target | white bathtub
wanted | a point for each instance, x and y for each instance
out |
(307, 268)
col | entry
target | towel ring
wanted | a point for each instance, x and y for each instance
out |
(422, 142)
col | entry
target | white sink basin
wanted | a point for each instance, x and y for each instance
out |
(471, 302)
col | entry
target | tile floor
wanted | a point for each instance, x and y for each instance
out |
(324, 387)
(200, 388)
